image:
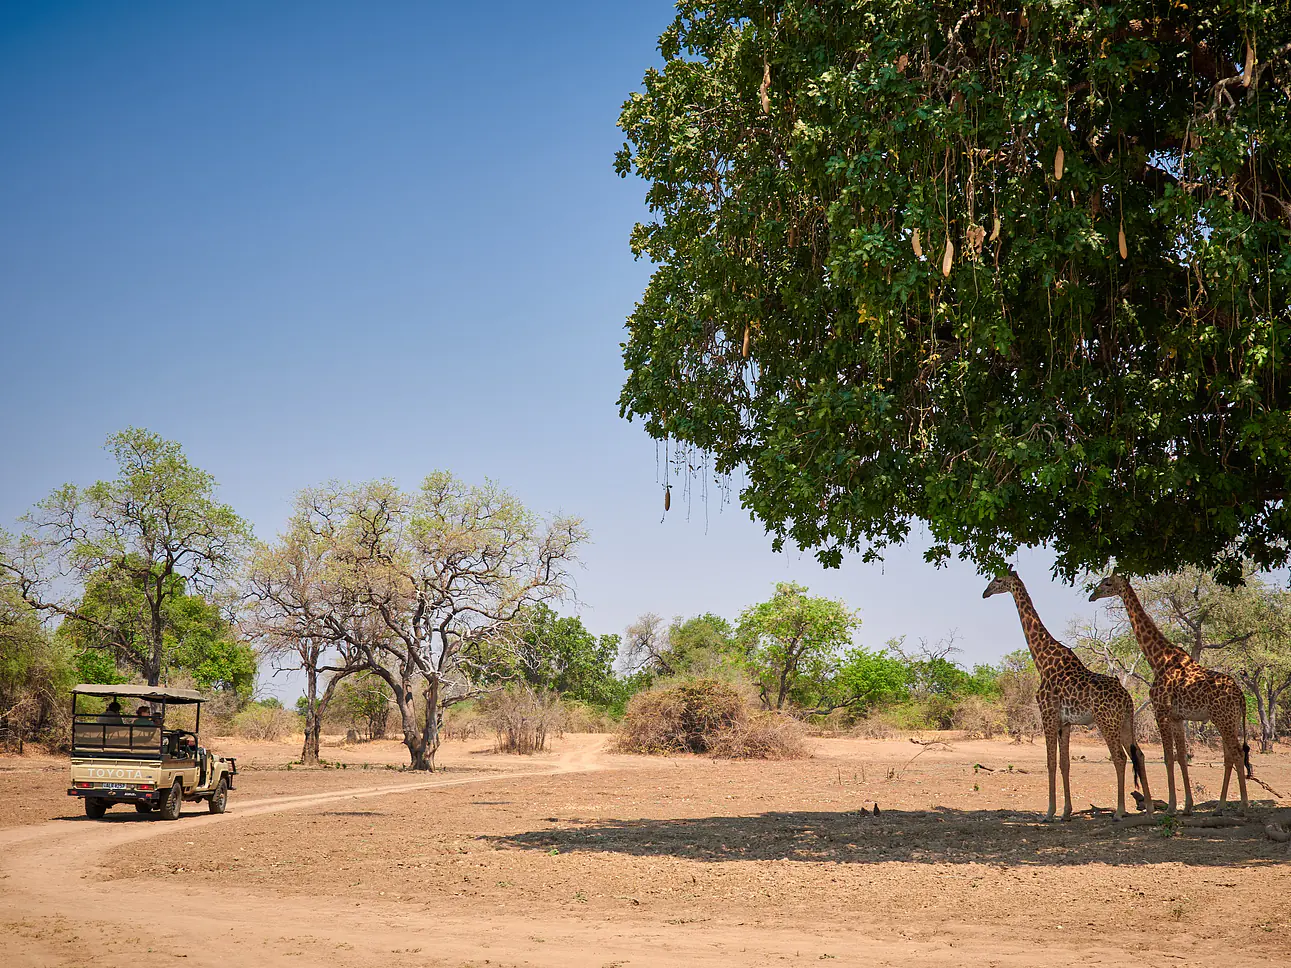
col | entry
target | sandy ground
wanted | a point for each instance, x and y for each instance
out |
(582, 857)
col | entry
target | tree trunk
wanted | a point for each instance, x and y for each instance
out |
(413, 737)
(1269, 719)
(313, 720)
(152, 668)
(430, 734)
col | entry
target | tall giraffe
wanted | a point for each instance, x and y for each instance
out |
(1185, 689)
(1072, 695)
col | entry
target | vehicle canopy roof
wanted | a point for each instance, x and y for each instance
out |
(153, 693)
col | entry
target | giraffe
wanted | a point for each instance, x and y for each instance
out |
(1072, 695)
(1185, 689)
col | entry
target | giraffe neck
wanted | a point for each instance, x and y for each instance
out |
(1049, 654)
(1158, 650)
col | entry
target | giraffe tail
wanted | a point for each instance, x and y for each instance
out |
(1246, 748)
(1136, 758)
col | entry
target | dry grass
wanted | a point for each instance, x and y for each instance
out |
(265, 723)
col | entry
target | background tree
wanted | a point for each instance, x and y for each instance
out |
(365, 700)
(430, 587)
(556, 654)
(645, 647)
(864, 681)
(794, 641)
(36, 672)
(152, 534)
(291, 616)
(109, 630)
(1015, 270)
(701, 643)
(692, 646)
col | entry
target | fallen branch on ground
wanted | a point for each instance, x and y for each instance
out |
(1256, 779)
(1276, 831)
(932, 744)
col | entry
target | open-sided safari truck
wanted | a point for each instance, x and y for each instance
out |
(124, 751)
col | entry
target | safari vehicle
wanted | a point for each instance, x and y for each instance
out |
(128, 754)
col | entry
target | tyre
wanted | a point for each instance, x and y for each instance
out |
(173, 803)
(95, 808)
(144, 807)
(220, 798)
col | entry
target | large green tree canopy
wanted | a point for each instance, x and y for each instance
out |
(1018, 270)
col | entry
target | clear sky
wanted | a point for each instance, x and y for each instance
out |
(317, 240)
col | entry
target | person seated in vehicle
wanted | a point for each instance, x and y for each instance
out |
(112, 715)
(143, 716)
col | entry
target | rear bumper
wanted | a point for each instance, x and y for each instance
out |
(116, 796)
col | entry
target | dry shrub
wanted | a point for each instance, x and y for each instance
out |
(762, 736)
(265, 722)
(1145, 727)
(874, 726)
(522, 717)
(462, 723)
(706, 716)
(980, 718)
(838, 722)
(1018, 688)
(582, 718)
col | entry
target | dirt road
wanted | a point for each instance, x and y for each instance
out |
(74, 892)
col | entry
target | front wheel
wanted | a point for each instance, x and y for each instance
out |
(220, 798)
(95, 808)
(173, 803)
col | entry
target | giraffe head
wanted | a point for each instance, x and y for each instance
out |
(1001, 585)
(1109, 587)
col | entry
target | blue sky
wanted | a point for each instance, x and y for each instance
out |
(341, 240)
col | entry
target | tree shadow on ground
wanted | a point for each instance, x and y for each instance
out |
(938, 836)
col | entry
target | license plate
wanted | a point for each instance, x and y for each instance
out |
(114, 786)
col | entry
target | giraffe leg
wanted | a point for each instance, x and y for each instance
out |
(1229, 756)
(1117, 750)
(1064, 748)
(1181, 755)
(1136, 752)
(1051, 755)
(1167, 747)
(1233, 761)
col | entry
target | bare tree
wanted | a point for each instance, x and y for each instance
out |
(645, 646)
(293, 617)
(430, 587)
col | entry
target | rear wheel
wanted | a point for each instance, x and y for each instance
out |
(173, 803)
(95, 808)
(220, 798)
(143, 807)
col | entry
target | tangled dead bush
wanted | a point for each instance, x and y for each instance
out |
(1018, 688)
(980, 718)
(265, 722)
(874, 726)
(707, 716)
(462, 723)
(762, 736)
(522, 718)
